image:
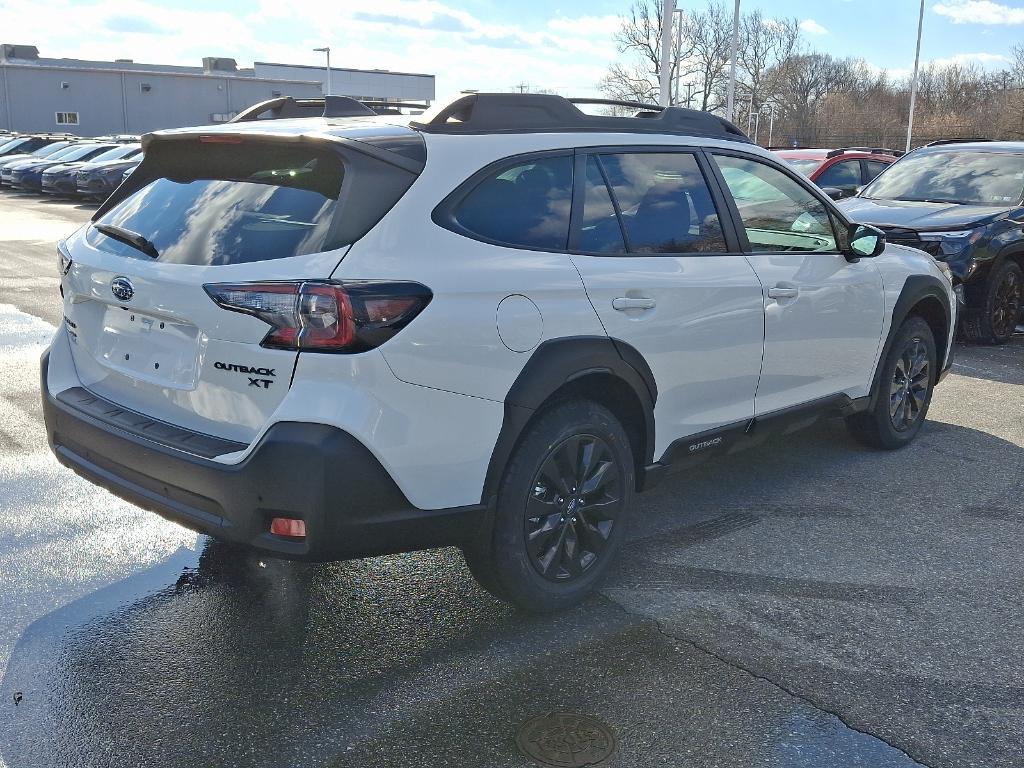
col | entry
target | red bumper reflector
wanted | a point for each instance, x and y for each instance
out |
(288, 526)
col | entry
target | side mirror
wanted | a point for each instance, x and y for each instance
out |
(866, 241)
(834, 192)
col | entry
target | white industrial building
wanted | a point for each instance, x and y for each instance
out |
(94, 98)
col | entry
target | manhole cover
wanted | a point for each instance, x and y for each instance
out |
(566, 740)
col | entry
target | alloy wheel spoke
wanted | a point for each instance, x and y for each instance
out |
(571, 512)
(601, 476)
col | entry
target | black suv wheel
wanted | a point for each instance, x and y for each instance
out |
(1000, 303)
(904, 393)
(563, 505)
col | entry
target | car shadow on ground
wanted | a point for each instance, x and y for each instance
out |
(224, 658)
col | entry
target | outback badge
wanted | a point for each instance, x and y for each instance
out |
(122, 288)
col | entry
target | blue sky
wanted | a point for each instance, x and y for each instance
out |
(484, 44)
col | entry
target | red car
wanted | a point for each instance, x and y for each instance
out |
(840, 171)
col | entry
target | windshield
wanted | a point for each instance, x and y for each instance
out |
(86, 152)
(806, 167)
(965, 177)
(51, 149)
(10, 147)
(222, 204)
(125, 150)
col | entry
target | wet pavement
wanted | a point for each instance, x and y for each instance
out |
(807, 603)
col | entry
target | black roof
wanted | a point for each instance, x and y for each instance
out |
(547, 113)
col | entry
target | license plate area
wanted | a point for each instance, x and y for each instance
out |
(148, 348)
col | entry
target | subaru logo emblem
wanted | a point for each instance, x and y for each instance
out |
(122, 288)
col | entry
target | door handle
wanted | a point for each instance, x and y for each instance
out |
(623, 303)
(778, 292)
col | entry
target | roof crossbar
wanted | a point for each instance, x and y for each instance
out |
(547, 113)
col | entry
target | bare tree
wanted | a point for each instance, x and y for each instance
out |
(709, 33)
(639, 37)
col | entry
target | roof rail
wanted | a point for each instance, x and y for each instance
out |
(957, 140)
(383, 107)
(869, 150)
(284, 107)
(548, 113)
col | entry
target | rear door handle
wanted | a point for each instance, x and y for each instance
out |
(783, 293)
(623, 303)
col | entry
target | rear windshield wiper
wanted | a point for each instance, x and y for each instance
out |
(126, 236)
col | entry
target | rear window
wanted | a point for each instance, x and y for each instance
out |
(215, 204)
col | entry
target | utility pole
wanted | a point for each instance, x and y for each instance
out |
(913, 86)
(327, 50)
(689, 95)
(679, 48)
(523, 87)
(731, 92)
(771, 123)
(668, 8)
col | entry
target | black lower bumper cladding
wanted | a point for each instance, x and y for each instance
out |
(314, 472)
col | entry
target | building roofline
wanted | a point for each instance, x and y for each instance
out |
(247, 76)
(343, 69)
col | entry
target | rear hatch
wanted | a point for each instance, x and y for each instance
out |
(204, 210)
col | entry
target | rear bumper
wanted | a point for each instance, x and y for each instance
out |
(318, 473)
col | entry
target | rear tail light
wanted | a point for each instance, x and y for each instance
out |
(324, 316)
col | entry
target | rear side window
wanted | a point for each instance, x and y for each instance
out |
(216, 204)
(599, 231)
(525, 205)
(665, 203)
(874, 168)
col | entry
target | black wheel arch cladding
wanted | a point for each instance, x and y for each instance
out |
(559, 362)
(917, 291)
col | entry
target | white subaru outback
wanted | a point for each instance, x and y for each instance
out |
(488, 326)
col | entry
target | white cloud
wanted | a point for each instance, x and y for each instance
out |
(811, 27)
(992, 59)
(565, 54)
(587, 25)
(979, 12)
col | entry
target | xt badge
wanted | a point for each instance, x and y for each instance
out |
(254, 380)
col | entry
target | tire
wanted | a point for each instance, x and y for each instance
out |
(1000, 302)
(551, 560)
(913, 351)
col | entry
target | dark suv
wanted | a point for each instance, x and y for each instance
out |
(964, 204)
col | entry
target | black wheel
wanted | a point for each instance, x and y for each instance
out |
(904, 389)
(1000, 306)
(562, 509)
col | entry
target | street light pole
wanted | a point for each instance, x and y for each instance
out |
(327, 50)
(679, 48)
(667, 10)
(731, 92)
(913, 86)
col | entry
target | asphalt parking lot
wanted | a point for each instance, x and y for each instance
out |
(807, 603)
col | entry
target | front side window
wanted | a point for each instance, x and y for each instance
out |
(525, 205)
(845, 174)
(778, 214)
(665, 203)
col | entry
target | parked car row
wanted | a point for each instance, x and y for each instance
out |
(61, 164)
